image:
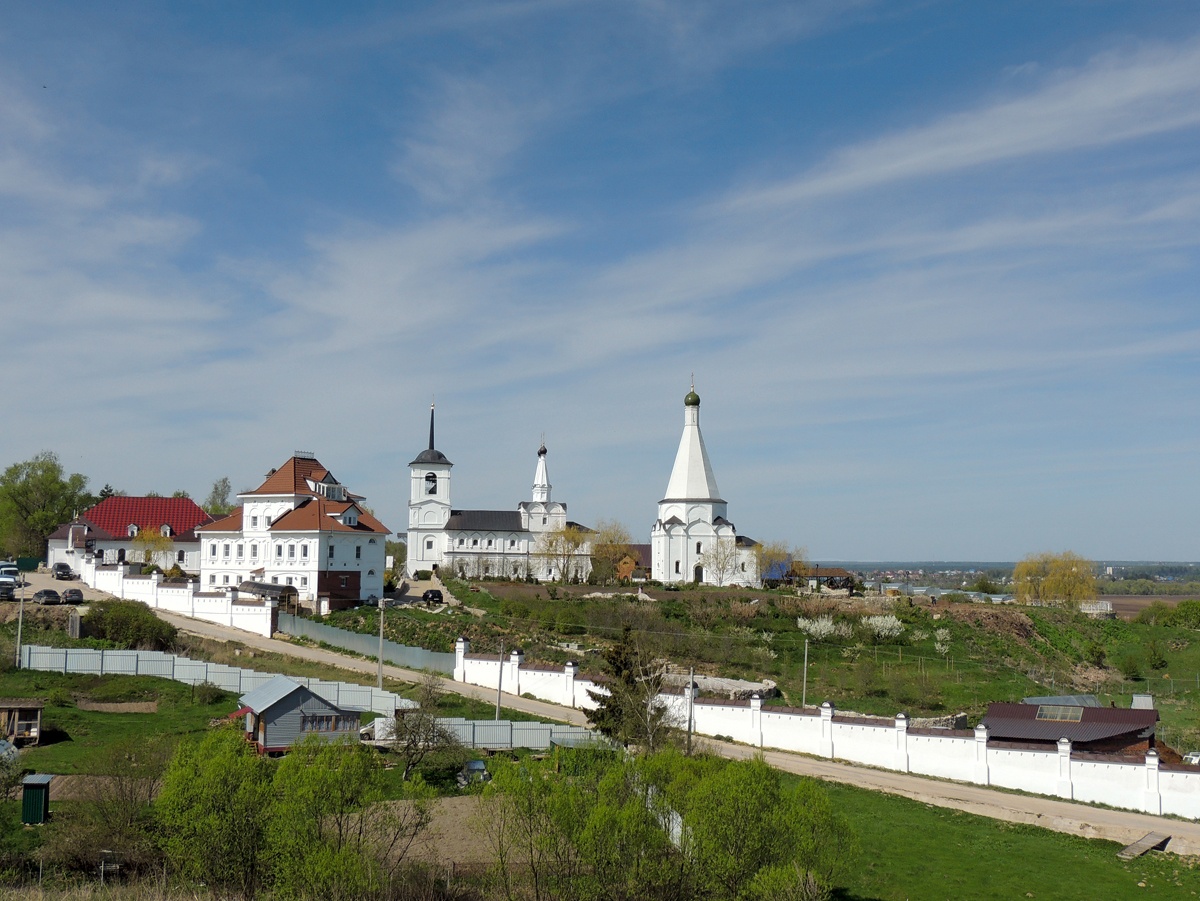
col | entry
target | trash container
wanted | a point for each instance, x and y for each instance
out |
(35, 799)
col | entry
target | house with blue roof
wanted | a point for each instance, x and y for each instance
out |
(281, 712)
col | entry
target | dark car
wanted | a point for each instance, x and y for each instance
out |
(8, 591)
(432, 596)
(47, 596)
(73, 596)
(62, 571)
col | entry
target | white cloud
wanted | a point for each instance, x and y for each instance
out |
(1114, 98)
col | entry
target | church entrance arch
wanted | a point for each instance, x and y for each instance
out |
(698, 574)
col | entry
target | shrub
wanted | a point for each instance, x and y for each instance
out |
(1131, 669)
(206, 693)
(1155, 656)
(423, 575)
(128, 624)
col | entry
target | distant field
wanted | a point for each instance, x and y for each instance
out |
(1128, 606)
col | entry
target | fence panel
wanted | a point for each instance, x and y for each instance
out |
(193, 672)
(367, 645)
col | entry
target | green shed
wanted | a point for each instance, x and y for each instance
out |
(35, 799)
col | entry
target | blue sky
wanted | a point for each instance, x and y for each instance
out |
(934, 265)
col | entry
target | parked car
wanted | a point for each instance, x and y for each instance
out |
(62, 571)
(432, 596)
(47, 596)
(8, 591)
(73, 596)
(474, 771)
(9, 574)
(1192, 757)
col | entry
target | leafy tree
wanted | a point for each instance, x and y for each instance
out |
(611, 544)
(777, 561)
(329, 836)
(1064, 578)
(559, 548)
(153, 545)
(217, 503)
(213, 812)
(179, 492)
(36, 497)
(632, 712)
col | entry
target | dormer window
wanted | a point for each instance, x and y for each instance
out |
(165, 530)
(132, 530)
(431, 483)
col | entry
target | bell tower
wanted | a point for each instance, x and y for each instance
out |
(428, 505)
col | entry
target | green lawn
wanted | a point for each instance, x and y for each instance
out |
(914, 850)
(73, 738)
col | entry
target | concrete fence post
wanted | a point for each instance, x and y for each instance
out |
(570, 672)
(756, 736)
(826, 748)
(982, 774)
(1065, 789)
(462, 648)
(1152, 802)
(515, 659)
(901, 743)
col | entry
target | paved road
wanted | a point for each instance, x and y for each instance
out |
(1061, 816)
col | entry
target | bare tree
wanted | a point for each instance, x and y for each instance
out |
(417, 733)
(720, 561)
(611, 544)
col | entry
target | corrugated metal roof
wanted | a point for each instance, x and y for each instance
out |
(269, 693)
(1019, 722)
(484, 521)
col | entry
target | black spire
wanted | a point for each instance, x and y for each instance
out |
(432, 455)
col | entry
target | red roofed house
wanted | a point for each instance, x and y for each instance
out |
(107, 532)
(302, 528)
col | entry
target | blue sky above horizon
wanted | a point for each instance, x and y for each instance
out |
(934, 265)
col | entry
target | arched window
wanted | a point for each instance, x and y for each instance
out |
(165, 530)
(676, 567)
(132, 530)
(697, 547)
(431, 483)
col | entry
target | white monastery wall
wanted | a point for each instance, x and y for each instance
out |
(889, 745)
(250, 616)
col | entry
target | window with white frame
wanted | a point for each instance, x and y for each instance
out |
(274, 580)
(291, 552)
(358, 552)
(212, 549)
(304, 552)
(429, 544)
(279, 552)
(240, 548)
(224, 580)
(225, 550)
(461, 542)
(212, 580)
(304, 581)
(165, 530)
(331, 552)
(253, 551)
(132, 531)
(254, 522)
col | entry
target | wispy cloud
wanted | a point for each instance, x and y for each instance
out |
(1114, 98)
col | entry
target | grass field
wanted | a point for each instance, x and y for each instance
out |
(949, 657)
(914, 850)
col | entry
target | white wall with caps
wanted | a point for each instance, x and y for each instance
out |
(186, 600)
(1144, 787)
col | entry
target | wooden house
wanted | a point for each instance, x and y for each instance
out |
(21, 720)
(281, 712)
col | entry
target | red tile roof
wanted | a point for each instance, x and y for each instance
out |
(112, 517)
(319, 515)
(230, 523)
(292, 477)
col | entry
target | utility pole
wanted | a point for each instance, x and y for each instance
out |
(804, 690)
(380, 680)
(20, 618)
(691, 703)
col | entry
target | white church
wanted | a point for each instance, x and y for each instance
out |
(514, 544)
(692, 541)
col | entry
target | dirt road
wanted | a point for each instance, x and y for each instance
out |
(1061, 816)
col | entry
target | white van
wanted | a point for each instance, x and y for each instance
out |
(10, 574)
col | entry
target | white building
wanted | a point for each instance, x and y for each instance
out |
(301, 528)
(533, 541)
(692, 541)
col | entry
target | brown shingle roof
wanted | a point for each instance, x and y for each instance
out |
(1019, 722)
